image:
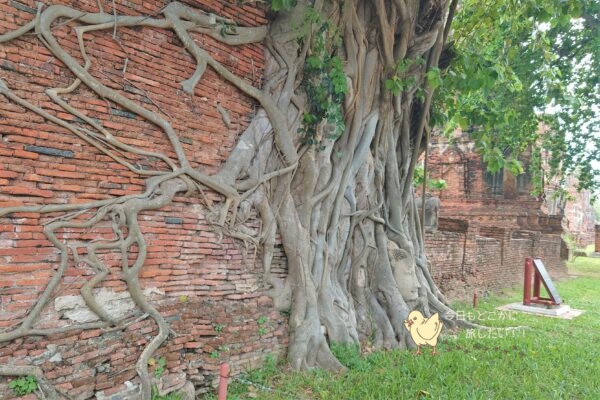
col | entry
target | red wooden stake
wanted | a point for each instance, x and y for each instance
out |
(223, 376)
(527, 282)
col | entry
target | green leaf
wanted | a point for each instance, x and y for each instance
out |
(24, 385)
(462, 121)
(394, 85)
(437, 184)
(314, 62)
(279, 5)
(434, 78)
(514, 166)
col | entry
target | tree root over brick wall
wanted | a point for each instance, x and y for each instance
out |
(343, 209)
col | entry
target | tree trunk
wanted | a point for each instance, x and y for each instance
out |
(327, 162)
(347, 216)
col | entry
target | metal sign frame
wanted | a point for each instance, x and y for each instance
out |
(536, 271)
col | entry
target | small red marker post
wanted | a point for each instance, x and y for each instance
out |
(527, 281)
(474, 299)
(223, 376)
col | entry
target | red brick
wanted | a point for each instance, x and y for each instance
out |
(25, 154)
(90, 334)
(21, 139)
(59, 173)
(27, 191)
(8, 174)
(474, 248)
(69, 188)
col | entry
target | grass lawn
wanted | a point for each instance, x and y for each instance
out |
(550, 359)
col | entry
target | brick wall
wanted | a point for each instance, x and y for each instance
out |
(447, 260)
(488, 261)
(468, 257)
(207, 286)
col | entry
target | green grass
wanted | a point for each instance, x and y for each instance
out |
(551, 359)
(586, 266)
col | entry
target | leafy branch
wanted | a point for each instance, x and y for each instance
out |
(324, 82)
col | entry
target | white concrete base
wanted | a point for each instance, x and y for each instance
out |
(562, 311)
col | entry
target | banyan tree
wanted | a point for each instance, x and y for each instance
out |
(326, 164)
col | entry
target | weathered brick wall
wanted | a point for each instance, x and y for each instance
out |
(548, 248)
(206, 285)
(446, 251)
(517, 251)
(488, 260)
(468, 257)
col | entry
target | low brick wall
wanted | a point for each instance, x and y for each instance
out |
(446, 253)
(480, 258)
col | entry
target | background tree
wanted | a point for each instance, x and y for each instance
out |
(521, 66)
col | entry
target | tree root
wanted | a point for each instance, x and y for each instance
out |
(123, 211)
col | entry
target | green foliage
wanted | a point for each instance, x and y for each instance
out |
(217, 352)
(432, 184)
(350, 356)
(219, 328)
(404, 77)
(261, 321)
(159, 366)
(250, 382)
(24, 385)
(519, 65)
(268, 369)
(324, 82)
(536, 172)
(437, 184)
(227, 29)
(434, 78)
(170, 396)
(585, 266)
(281, 5)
